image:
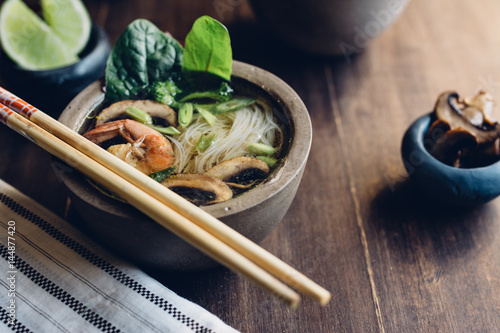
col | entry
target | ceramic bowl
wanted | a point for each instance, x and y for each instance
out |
(51, 90)
(443, 183)
(254, 214)
(328, 27)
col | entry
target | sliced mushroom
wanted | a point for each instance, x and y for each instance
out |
(158, 111)
(473, 116)
(448, 109)
(483, 102)
(453, 145)
(240, 172)
(484, 155)
(199, 189)
(437, 128)
(492, 150)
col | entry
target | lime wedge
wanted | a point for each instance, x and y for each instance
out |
(29, 41)
(70, 20)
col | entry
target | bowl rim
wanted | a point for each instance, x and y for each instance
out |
(280, 92)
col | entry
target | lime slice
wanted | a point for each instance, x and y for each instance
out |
(29, 41)
(70, 20)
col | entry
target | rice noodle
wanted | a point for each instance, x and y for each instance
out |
(233, 132)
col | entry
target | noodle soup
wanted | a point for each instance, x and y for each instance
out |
(177, 114)
(233, 132)
(246, 146)
(254, 213)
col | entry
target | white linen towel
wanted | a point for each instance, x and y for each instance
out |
(55, 279)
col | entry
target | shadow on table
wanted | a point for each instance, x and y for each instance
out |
(198, 286)
(413, 224)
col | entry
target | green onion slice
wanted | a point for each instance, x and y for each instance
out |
(170, 130)
(233, 105)
(261, 149)
(185, 115)
(205, 142)
(269, 160)
(209, 117)
(139, 115)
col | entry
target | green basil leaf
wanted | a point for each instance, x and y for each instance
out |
(142, 55)
(208, 48)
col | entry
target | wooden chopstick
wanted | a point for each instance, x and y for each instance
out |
(150, 206)
(243, 245)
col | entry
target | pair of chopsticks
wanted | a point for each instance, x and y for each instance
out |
(173, 212)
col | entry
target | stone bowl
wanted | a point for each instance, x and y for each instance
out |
(254, 214)
(443, 183)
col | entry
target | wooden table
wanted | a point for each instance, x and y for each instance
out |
(393, 260)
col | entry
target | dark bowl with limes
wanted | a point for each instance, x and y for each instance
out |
(51, 90)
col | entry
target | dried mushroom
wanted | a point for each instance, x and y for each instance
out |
(199, 189)
(450, 109)
(240, 172)
(454, 144)
(161, 113)
(464, 134)
(483, 102)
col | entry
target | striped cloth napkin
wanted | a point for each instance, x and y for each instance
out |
(54, 279)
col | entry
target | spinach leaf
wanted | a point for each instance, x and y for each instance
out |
(208, 49)
(142, 55)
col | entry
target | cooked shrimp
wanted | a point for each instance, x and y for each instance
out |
(147, 150)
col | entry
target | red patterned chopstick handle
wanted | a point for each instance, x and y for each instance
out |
(16, 104)
(5, 112)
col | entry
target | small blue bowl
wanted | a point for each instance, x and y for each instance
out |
(51, 90)
(443, 183)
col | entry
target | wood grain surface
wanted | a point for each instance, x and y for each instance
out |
(393, 260)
